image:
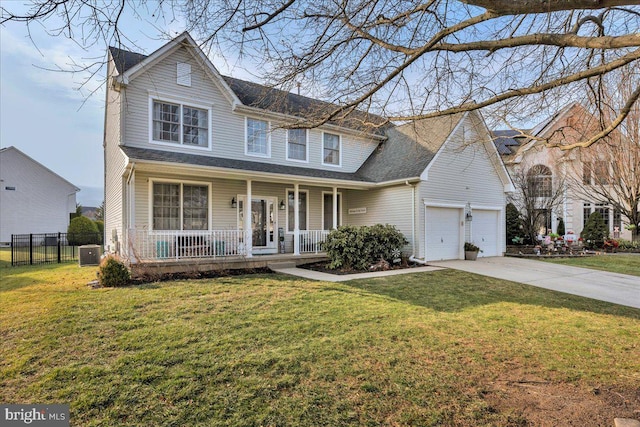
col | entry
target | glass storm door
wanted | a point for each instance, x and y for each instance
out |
(263, 221)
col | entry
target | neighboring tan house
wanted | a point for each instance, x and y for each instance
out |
(578, 172)
(186, 148)
(33, 199)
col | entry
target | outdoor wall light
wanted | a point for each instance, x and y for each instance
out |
(469, 217)
(234, 203)
(281, 205)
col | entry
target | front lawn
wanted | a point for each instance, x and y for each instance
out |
(441, 348)
(615, 263)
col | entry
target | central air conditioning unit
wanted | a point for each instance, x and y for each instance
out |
(89, 255)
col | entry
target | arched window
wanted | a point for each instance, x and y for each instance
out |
(539, 181)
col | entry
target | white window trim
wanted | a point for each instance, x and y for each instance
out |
(182, 102)
(330, 193)
(306, 147)
(246, 138)
(339, 165)
(153, 181)
(286, 210)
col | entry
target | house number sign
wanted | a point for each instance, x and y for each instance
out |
(356, 211)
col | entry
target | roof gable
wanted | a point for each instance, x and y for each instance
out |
(37, 164)
(249, 94)
(409, 149)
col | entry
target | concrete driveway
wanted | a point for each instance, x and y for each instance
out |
(621, 289)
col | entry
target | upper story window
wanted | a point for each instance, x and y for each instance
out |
(596, 173)
(539, 181)
(258, 143)
(297, 144)
(180, 124)
(331, 149)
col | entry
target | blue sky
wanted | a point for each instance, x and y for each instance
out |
(47, 115)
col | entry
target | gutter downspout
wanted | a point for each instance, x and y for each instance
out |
(130, 213)
(413, 258)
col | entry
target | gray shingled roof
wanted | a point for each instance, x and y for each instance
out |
(409, 149)
(124, 59)
(145, 154)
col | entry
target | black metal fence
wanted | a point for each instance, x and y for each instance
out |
(48, 248)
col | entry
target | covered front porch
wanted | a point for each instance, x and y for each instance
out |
(178, 215)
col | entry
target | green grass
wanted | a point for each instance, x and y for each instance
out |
(615, 263)
(418, 349)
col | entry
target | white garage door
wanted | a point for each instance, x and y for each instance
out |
(484, 231)
(443, 233)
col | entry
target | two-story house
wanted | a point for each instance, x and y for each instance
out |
(585, 177)
(200, 165)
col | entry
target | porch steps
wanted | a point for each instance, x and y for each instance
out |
(281, 265)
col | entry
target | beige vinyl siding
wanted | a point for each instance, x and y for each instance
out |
(463, 172)
(227, 128)
(115, 163)
(224, 217)
(389, 205)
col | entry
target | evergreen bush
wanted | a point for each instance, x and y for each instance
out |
(594, 232)
(112, 272)
(514, 226)
(82, 231)
(357, 247)
(561, 230)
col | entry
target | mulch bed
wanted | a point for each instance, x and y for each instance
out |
(323, 268)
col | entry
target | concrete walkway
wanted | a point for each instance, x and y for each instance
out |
(620, 289)
(327, 277)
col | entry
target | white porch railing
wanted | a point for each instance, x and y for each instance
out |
(311, 240)
(145, 245)
(157, 245)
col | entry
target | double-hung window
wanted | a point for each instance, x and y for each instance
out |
(179, 124)
(302, 210)
(180, 206)
(327, 210)
(331, 149)
(258, 138)
(297, 144)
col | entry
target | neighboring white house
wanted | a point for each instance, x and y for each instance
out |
(33, 199)
(186, 148)
(576, 171)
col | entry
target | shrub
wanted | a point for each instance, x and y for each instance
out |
(513, 220)
(561, 227)
(100, 226)
(628, 244)
(113, 273)
(595, 231)
(353, 247)
(82, 231)
(470, 247)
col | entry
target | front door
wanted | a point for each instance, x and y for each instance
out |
(263, 223)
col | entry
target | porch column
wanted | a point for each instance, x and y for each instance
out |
(296, 219)
(335, 207)
(248, 232)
